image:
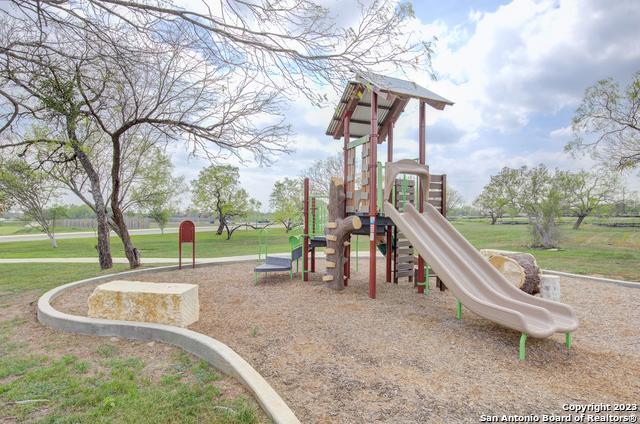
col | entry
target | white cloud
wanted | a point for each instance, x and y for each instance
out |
(563, 134)
(522, 66)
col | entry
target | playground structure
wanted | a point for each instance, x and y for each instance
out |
(315, 218)
(368, 110)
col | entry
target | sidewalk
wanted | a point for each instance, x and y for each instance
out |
(92, 234)
(146, 261)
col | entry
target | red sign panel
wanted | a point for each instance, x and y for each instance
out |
(187, 234)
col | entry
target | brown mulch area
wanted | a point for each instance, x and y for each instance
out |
(404, 358)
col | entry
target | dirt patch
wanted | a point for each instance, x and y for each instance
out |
(404, 358)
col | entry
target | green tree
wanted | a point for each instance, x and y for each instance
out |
(157, 190)
(497, 197)
(454, 199)
(217, 191)
(607, 124)
(286, 202)
(5, 204)
(32, 191)
(540, 197)
(584, 192)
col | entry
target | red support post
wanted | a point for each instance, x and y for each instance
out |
(305, 211)
(389, 227)
(347, 138)
(313, 225)
(373, 190)
(422, 159)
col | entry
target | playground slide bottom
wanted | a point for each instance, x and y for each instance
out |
(474, 281)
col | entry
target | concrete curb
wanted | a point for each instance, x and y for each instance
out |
(633, 284)
(216, 353)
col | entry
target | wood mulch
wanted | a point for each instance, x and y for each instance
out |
(339, 357)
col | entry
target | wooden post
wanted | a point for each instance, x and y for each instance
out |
(313, 225)
(421, 199)
(373, 190)
(389, 249)
(347, 138)
(337, 232)
(305, 211)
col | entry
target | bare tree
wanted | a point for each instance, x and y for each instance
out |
(137, 154)
(607, 124)
(294, 46)
(205, 76)
(321, 172)
(169, 94)
(454, 199)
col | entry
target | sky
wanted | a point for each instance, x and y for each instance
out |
(516, 71)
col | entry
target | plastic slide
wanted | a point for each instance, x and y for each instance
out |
(474, 281)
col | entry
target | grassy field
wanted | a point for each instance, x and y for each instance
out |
(13, 228)
(154, 245)
(613, 252)
(18, 278)
(592, 250)
(109, 388)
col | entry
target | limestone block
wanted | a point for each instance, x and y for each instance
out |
(164, 303)
(550, 287)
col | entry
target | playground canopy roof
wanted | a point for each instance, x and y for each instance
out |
(394, 94)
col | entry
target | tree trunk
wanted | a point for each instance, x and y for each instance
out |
(54, 243)
(221, 223)
(104, 243)
(576, 224)
(130, 251)
(521, 269)
(337, 232)
(544, 232)
(494, 218)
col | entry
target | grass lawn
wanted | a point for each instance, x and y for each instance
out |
(208, 245)
(18, 278)
(593, 250)
(51, 377)
(10, 229)
(613, 252)
(110, 388)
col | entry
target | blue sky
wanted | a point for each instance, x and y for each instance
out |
(516, 71)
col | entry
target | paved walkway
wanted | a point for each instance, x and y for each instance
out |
(92, 234)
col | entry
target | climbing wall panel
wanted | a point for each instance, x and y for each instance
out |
(404, 259)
